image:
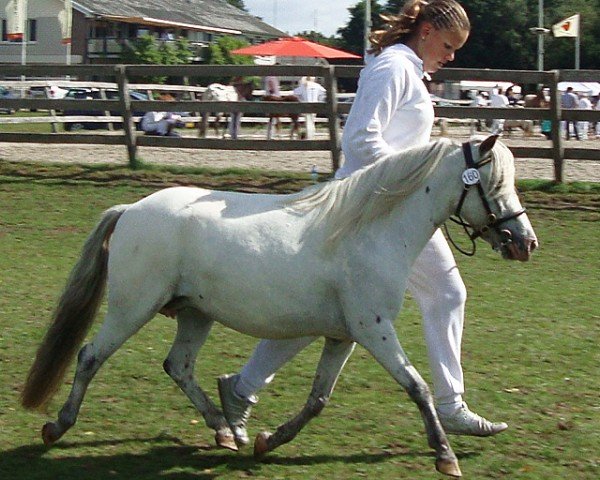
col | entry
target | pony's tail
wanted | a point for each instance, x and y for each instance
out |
(73, 316)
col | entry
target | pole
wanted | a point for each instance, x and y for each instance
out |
(577, 49)
(540, 35)
(367, 29)
(25, 33)
(24, 45)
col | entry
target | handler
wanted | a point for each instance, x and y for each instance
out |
(393, 111)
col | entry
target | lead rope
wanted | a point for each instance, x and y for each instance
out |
(466, 226)
(457, 218)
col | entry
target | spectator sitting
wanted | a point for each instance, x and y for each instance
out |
(161, 123)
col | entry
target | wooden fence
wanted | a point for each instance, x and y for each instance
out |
(121, 75)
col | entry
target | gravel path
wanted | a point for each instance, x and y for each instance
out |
(281, 161)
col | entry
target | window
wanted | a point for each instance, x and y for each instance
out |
(31, 30)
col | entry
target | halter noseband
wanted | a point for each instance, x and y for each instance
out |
(471, 177)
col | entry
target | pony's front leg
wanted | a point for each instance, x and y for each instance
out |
(333, 358)
(378, 336)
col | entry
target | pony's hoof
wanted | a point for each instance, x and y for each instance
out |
(225, 439)
(50, 433)
(448, 467)
(261, 445)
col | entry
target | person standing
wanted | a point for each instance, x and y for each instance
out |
(393, 111)
(271, 86)
(309, 90)
(583, 126)
(569, 100)
(597, 107)
(498, 99)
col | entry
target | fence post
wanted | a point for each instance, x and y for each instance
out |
(110, 125)
(128, 125)
(558, 150)
(334, 120)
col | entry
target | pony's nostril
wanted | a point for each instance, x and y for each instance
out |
(533, 245)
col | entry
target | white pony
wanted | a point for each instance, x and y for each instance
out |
(332, 260)
(217, 92)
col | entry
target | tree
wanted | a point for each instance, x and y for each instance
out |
(147, 50)
(560, 52)
(238, 4)
(318, 37)
(352, 35)
(219, 53)
(500, 35)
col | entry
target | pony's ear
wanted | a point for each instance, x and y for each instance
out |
(487, 145)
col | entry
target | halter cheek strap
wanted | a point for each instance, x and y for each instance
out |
(471, 177)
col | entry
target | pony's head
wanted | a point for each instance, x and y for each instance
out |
(489, 202)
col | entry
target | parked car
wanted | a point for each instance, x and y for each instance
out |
(6, 93)
(94, 93)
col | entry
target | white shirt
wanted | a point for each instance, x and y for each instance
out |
(392, 110)
(585, 103)
(498, 100)
(310, 91)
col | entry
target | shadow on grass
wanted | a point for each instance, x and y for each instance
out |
(164, 457)
(242, 181)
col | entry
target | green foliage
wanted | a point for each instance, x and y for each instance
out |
(219, 53)
(501, 36)
(238, 4)
(352, 34)
(560, 52)
(147, 50)
(318, 37)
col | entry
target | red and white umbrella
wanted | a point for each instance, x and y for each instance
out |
(294, 47)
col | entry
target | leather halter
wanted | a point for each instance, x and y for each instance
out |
(471, 177)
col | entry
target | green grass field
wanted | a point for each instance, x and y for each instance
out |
(531, 359)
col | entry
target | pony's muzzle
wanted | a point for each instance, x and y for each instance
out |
(518, 250)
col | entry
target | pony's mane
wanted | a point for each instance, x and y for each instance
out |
(501, 180)
(356, 201)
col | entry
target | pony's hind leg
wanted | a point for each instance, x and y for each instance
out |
(333, 358)
(192, 331)
(115, 330)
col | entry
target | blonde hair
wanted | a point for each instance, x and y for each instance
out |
(442, 14)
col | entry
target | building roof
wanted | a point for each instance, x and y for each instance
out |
(217, 15)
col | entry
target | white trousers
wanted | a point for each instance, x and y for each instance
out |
(157, 127)
(309, 119)
(497, 126)
(438, 289)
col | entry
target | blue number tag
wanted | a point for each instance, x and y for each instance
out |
(470, 176)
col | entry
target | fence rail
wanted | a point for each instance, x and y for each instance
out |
(121, 78)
